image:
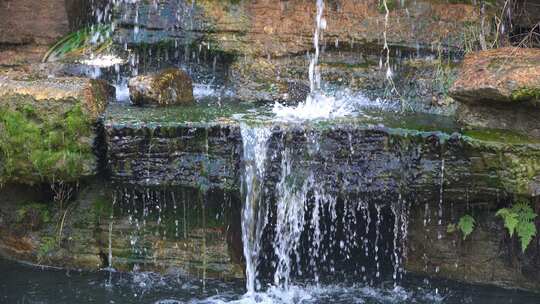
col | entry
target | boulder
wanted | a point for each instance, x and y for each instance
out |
(505, 75)
(500, 89)
(47, 127)
(168, 87)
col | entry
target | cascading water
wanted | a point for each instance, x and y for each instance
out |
(314, 73)
(309, 233)
(307, 226)
(254, 212)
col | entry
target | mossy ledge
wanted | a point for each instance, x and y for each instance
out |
(47, 129)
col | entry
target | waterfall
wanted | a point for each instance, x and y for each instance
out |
(255, 211)
(291, 197)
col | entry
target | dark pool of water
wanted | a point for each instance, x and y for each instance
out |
(22, 284)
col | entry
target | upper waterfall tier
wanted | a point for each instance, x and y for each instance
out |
(377, 153)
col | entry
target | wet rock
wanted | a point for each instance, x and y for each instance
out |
(181, 155)
(500, 89)
(21, 55)
(421, 83)
(168, 87)
(48, 127)
(487, 255)
(156, 151)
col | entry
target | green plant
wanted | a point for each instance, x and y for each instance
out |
(96, 38)
(47, 244)
(466, 225)
(520, 220)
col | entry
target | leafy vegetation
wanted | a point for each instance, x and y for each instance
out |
(94, 39)
(520, 220)
(466, 225)
(524, 94)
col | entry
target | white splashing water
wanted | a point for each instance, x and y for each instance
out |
(103, 61)
(317, 105)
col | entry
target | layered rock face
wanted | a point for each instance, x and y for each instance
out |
(427, 180)
(24, 22)
(172, 229)
(277, 28)
(270, 40)
(210, 155)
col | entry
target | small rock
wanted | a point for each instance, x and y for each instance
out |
(168, 87)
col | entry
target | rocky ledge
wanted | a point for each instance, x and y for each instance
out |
(48, 127)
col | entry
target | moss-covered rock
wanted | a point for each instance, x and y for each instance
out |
(47, 127)
(168, 87)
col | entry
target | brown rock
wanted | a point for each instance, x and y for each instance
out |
(278, 28)
(505, 75)
(168, 87)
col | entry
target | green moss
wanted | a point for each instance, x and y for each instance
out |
(102, 207)
(502, 136)
(526, 94)
(39, 209)
(40, 146)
